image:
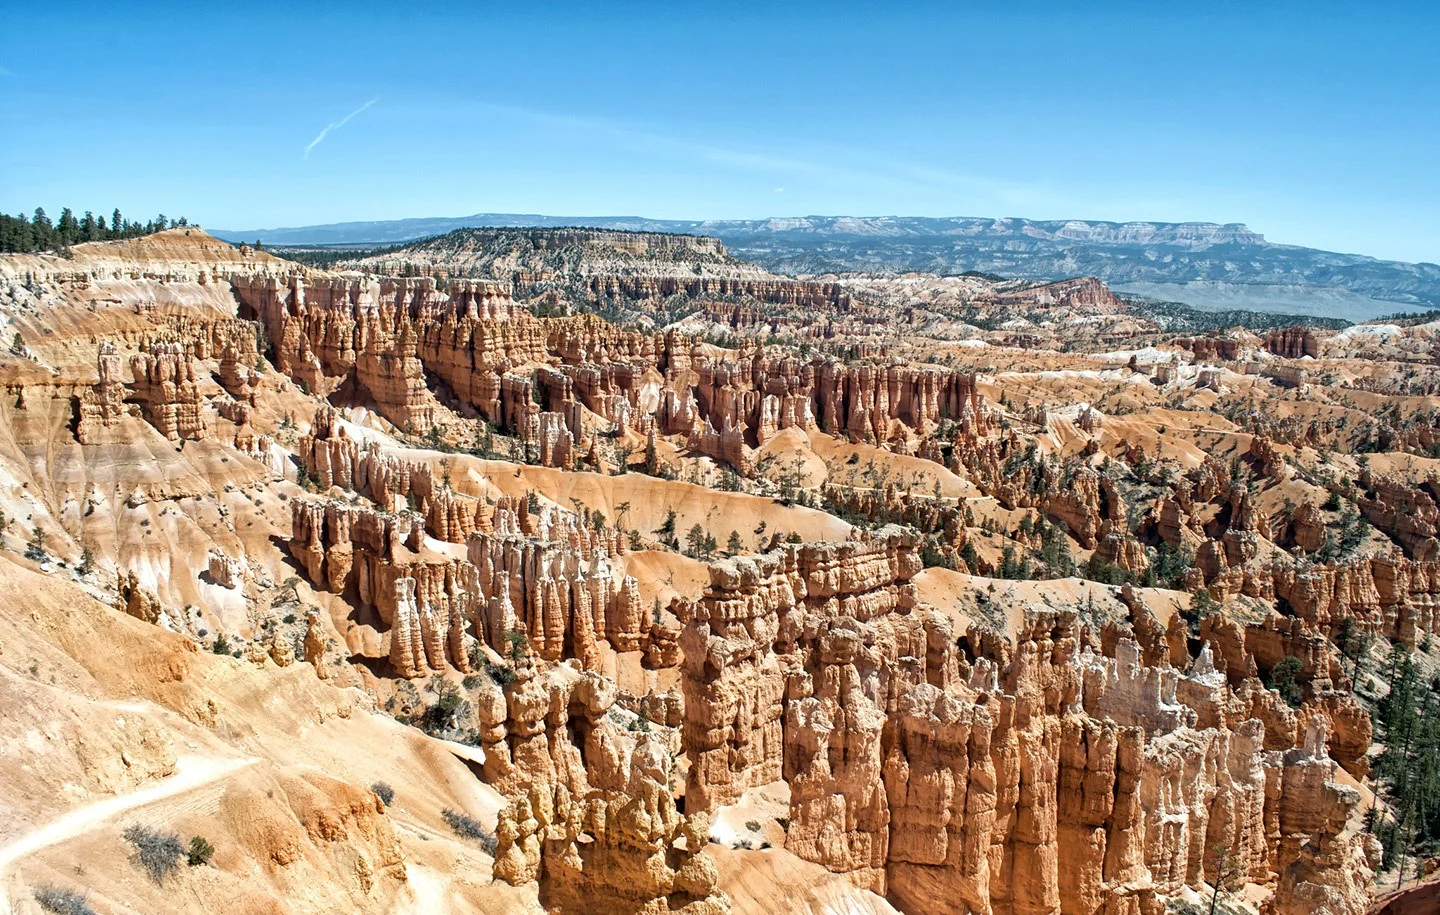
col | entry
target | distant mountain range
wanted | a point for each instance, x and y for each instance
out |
(1201, 264)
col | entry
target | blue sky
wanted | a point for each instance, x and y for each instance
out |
(1314, 123)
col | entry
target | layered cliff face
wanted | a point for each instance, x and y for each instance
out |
(421, 596)
(1085, 293)
(477, 341)
(165, 386)
(332, 458)
(1386, 590)
(580, 266)
(1294, 342)
(547, 579)
(102, 406)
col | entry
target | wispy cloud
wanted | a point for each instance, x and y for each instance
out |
(6, 71)
(336, 125)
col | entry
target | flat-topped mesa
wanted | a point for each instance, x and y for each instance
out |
(348, 549)
(165, 385)
(561, 582)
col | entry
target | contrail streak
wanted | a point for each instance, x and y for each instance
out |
(336, 125)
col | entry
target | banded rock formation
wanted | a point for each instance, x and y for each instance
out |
(948, 775)
(562, 583)
(591, 815)
(424, 598)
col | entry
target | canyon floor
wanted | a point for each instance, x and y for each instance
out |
(585, 570)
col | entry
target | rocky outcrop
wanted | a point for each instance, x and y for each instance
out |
(225, 571)
(1083, 292)
(314, 645)
(136, 600)
(1322, 869)
(732, 673)
(1294, 342)
(1385, 594)
(423, 598)
(591, 816)
(1213, 348)
(562, 583)
(165, 386)
(374, 340)
(333, 458)
(1408, 514)
(102, 405)
(1307, 527)
(878, 403)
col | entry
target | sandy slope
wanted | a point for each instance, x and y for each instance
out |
(105, 720)
(191, 772)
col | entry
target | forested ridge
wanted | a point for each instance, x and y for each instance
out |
(23, 234)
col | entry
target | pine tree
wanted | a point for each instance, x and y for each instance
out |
(695, 541)
(666, 532)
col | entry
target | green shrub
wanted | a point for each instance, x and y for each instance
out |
(200, 853)
(384, 792)
(1285, 678)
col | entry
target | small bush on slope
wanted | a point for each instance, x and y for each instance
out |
(470, 828)
(157, 851)
(63, 902)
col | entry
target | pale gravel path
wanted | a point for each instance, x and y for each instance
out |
(191, 772)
